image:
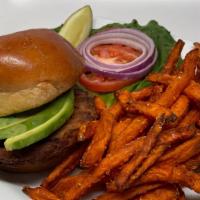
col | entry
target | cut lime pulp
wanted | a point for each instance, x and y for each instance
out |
(78, 26)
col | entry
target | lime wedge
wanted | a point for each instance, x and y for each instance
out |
(78, 26)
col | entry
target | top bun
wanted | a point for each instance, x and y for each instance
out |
(36, 66)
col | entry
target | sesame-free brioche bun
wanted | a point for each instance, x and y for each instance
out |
(36, 66)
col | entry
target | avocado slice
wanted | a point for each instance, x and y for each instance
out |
(12, 126)
(42, 124)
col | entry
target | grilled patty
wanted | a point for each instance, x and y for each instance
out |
(49, 152)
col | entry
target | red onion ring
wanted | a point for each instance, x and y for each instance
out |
(125, 36)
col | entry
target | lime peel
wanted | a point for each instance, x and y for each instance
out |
(78, 26)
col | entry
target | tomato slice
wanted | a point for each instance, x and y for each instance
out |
(98, 83)
(110, 54)
(115, 53)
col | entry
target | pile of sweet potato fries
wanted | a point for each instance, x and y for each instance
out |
(145, 146)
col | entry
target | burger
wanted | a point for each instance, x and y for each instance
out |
(40, 113)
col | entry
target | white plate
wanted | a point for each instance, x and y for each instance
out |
(17, 15)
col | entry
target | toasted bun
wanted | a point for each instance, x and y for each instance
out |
(36, 66)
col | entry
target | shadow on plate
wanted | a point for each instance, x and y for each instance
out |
(23, 179)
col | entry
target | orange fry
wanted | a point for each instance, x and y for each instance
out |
(166, 139)
(87, 131)
(40, 193)
(175, 88)
(116, 110)
(124, 96)
(98, 145)
(129, 194)
(158, 151)
(166, 192)
(64, 184)
(193, 91)
(143, 93)
(110, 162)
(157, 92)
(175, 135)
(173, 57)
(180, 107)
(161, 78)
(167, 172)
(64, 168)
(191, 118)
(119, 128)
(99, 104)
(190, 149)
(131, 167)
(152, 110)
(135, 128)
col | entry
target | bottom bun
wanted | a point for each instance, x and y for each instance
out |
(54, 149)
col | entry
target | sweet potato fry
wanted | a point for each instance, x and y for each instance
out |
(175, 87)
(87, 131)
(116, 110)
(166, 192)
(124, 96)
(158, 151)
(180, 107)
(190, 119)
(142, 94)
(156, 94)
(64, 168)
(64, 184)
(119, 128)
(129, 194)
(152, 110)
(190, 149)
(101, 139)
(190, 63)
(99, 104)
(119, 157)
(166, 139)
(193, 91)
(176, 135)
(167, 172)
(131, 167)
(40, 193)
(110, 162)
(135, 128)
(161, 78)
(173, 57)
